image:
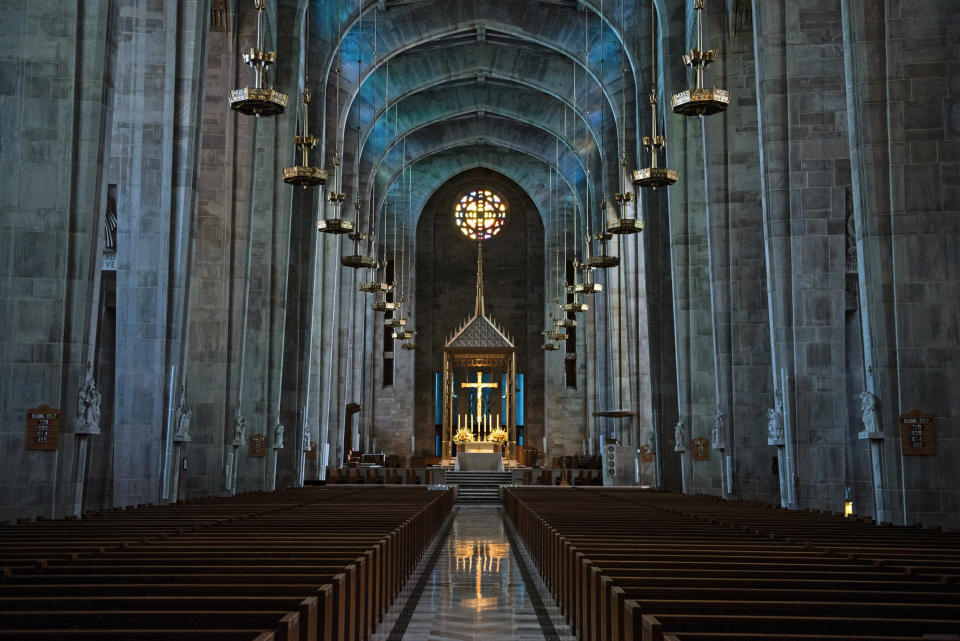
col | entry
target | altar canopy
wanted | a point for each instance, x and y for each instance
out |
(479, 377)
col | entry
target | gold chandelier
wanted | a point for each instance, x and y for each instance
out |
(699, 100)
(304, 175)
(654, 176)
(259, 100)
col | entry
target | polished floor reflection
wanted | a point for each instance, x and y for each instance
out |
(475, 588)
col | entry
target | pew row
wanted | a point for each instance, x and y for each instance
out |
(311, 564)
(628, 565)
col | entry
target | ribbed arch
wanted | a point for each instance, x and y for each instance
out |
(431, 169)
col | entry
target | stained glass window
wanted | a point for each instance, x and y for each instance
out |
(480, 214)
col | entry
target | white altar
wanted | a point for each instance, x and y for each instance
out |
(479, 446)
(478, 462)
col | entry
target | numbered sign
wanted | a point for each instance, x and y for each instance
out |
(43, 428)
(258, 445)
(700, 449)
(916, 434)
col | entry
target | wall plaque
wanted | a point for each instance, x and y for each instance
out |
(43, 428)
(645, 454)
(917, 434)
(258, 445)
(700, 449)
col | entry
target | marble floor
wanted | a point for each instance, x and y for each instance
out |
(475, 583)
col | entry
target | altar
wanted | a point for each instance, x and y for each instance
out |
(479, 462)
(479, 387)
(475, 447)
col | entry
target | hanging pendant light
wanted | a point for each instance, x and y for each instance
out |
(587, 287)
(556, 335)
(620, 222)
(405, 260)
(304, 175)
(378, 286)
(699, 100)
(576, 288)
(624, 224)
(654, 176)
(398, 322)
(553, 334)
(403, 334)
(259, 100)
(359, 260)
(602, 261)
(576, 307)
(335, 223)
(383, 305)
(565, 322)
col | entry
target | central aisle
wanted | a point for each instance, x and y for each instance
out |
(474, 585)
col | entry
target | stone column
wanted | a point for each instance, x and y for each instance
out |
(719, 443)
(873, 432)
(275, 448)
(680, 445)
(776, 436)
(83, 434)
(88, 424)
(178, 462)
(233, 457)
(181, 435)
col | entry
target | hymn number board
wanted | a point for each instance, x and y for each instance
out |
(43, 428)
(258, 445)
(701, 449)
(916, 434)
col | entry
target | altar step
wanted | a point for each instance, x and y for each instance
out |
(473, 495)
(478, 487)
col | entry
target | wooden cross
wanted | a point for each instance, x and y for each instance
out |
(479, 386)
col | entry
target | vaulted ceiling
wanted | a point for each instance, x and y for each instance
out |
(548, 92)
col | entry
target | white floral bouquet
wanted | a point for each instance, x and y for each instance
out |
(498, 435)
(462, 436)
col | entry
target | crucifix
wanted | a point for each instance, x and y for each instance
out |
(479, 386)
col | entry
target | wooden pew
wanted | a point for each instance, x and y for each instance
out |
(615, 558)
(254, 574)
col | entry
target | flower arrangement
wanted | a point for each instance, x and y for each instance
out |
(498, 435)
(462, 436)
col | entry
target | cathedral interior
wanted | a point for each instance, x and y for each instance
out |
(247, 243)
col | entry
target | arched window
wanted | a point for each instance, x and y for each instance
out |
(480, 213)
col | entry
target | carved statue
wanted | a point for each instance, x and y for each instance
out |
(719, 429)
(775, 421)
(278, 435)
(680, 437)
(870, 411)
(183, 416)
(239, 426)
(651, 448)
(88, 402)
(306, 439)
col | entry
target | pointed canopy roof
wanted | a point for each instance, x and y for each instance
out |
(480, 331)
